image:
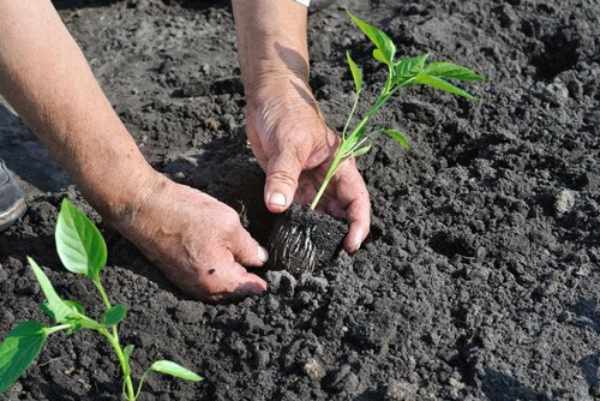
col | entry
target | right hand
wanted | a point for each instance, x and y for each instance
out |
(197, 241)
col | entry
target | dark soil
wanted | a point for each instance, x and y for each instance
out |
(480, 280)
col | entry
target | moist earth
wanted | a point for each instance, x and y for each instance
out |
(480, 278)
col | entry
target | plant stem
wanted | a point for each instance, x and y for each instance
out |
(337, 159)
(116, 345)
(114, 341)
(56, 329)
(350, 116)
(102, 292)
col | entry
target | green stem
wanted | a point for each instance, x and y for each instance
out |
(338, 158)
(116, 346)
(352, 112)
(114, 341)
(141, 383)
(56, 329)
(331, 170)
(102, 292)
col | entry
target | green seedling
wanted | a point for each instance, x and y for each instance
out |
(402, 72)
(82, 250)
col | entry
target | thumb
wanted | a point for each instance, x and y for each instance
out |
(283, 172)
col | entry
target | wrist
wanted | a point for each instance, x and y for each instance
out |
(119, 190)
(275, 83)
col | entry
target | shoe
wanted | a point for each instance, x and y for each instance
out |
(12, 200)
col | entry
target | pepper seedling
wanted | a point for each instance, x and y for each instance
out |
(82, 250)
(402, 72)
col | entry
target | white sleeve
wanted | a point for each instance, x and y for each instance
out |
(304, 2)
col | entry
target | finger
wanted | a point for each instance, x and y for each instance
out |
(352, 194)
(251, 285)
(246, 250)
(282, 180)
(359, 218)
(230, 280)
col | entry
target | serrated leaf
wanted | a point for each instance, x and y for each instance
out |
(59, 308)
(18, 351)
(114, 315)
(451, 71)
(442, 85)
(408, 67)
(80, 245)
(379, 38)
(362, 151)
(399, 137)
(357, 74)
(172, 369)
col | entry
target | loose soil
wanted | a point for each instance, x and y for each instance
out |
(480, 279)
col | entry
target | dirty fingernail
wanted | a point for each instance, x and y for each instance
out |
(263, 255)
(277, 199)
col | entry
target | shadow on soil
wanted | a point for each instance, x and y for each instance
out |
(26, 157)
(500, 387)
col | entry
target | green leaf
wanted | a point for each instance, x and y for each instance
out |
(452, 71)
(128, 351)
(60, 310)
(442, 85)
(18, 351)
(362, 151)
(408, 67)
(357, 74)
(172, 369)
(398, 137)
(79, 243)
(378, 56)
(114, 315)
(379, 38)
(73, 304)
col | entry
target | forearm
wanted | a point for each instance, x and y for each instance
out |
(44, 76)
(272, 40)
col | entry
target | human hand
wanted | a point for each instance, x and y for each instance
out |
(294, 146)
(197, 241)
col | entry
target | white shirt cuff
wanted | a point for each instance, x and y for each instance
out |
(304, 2)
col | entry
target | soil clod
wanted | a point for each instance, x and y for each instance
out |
(303, 240)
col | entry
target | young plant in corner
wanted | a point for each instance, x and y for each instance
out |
(296, 244)
(82, 250)
(402, 72)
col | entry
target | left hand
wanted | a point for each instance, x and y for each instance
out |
(294, 146)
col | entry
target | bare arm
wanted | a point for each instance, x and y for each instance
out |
(197, 241)
(45, 77)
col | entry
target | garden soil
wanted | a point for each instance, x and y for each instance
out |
(481, 276)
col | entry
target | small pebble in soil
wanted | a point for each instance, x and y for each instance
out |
(314, 369)
(564, 201)
(399, 390)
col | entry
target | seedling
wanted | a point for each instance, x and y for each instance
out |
(82, 250)
(402, 72)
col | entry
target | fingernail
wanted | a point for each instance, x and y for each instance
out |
(358, 239)
(263, 255)
(277, 199)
